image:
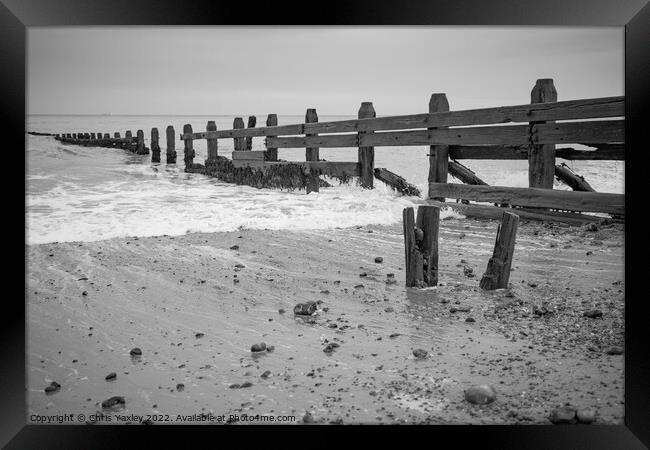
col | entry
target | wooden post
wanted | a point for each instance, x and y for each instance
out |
(140, 149)
(238, 143)
(366, 154)
(212, 142)
(497, 274)
(171, 145)
(413, 258)
(189, 148)
(438, 154)
(107, 136)
(311, 153)
(128, 134)
(541, 158)
(92, 136)
(74, 135)
(428, 220)
(272, 153)
(252, 120)
(116, 135)
(155, 145)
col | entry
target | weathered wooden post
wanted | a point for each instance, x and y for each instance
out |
(74, 135)
(127, 144)
(541, 157)
(438, 154)
(252, 121)
(189, 148)
(92, 136)
(428, 220)
(171, 145)
(68, 135)
(497, 274)
(238, 143)
(155, 145)
(213, 143)
(140, 148)
(272, 153)
(311, 153)
(421, 246)
(366, 154)
(116, 135)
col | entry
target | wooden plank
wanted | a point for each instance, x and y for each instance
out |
(249, 155)
(571, 179)
(600, 131)
(366, 153)
(541, 158)
(497, 274)
(497, 152)
(269, 130)
(495, 213)
(536, 197)
(566, 110)
(438, 154)
(428, 220)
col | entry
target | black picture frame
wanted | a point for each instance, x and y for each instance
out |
(17, 15)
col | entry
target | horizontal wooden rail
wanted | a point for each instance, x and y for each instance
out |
(613, 152)
(566, 110)
(339, 169)
(535, 197)
(546, 133)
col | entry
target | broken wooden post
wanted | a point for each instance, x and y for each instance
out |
(252, 120)
(155, 145)
(438, 154)
(311, 153)
(212, 143)
(272, 153)
(421, 246)
(366, 154)
(140, 149)
(171, 145)
(396, 182)
(238, 143)
(571, 179)
(189, 148)
(497, 274)
(428, 220)
(464, 174)
(541, 158)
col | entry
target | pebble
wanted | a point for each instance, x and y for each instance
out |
(53, 387)
(480, 395)
(470, 319)
(330, 347)
(390, 309)
(593, 314)
(234, 247)
(239, 266)
(111, 376)
(308, 418)
(563, 414)
(281, 311)
(135, 352)
(199, 335)
(379, 259)
(459, 309)
(180, 387)
(266, 374)
(420, 353)
(305, 309)
(258, 347)
(615, 351)
(270, 348)
(117, 400)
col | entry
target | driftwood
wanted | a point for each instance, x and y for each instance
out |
(396, 182)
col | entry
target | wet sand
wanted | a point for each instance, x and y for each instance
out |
(90, 303)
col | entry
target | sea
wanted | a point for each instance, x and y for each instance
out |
(76, 193)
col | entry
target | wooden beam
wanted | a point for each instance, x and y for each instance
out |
(497, 152)
(271, 152)
(566, 110)
(239, 143)
(155, 145)
(366, 153)
(311, 153)
(171, 145)
(535, 197)
(495, 213)
(396, 182)
(497, 274)
(336, 169)
(249, 155)
(188, 147)
(464, 174)
(571, 179)
(212, 144)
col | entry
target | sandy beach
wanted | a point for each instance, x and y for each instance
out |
(195, 304)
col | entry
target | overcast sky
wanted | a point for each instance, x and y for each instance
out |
(284, 70)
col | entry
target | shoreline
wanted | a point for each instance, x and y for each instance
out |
(531, 342)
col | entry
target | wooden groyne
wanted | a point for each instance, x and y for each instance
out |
(522, 132)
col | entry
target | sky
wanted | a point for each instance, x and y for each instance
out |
(284, 70)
